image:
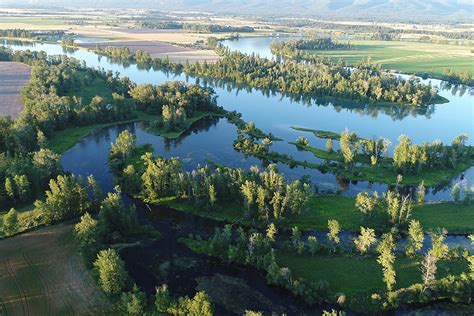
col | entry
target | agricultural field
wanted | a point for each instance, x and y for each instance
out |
(47, 277)
(13, 77)
(408, 57)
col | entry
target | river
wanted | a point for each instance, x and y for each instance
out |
(211, 139)
(275, 113)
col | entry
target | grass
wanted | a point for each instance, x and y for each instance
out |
(67, 138)
(160, 131)
(455, 217)
(320, 133)
(407, 57)
(341, 208)
(353, 275)
(383, 171)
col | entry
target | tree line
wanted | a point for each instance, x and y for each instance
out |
(317, 43)
(365, 82)
(198, 28)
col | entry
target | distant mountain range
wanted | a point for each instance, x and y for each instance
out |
(348, 9)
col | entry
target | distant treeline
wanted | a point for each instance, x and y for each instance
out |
(318, 43)
(19, 33)
(379, 31)
(194, 27)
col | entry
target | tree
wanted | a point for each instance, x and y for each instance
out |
(123, 147)
(329, 145)
(22, 186)
(133, 302)
(346, 147)
(87, 233)
(386, 259)
(313, 245)
(248, 192)
(456, 192)
(112, 274)
(439, 248)
(428, 270)
(10, 189)
(163, 299)
(303, 141)
(67, 198)
(420, 192)
(200, 305)
(365, 240)
(333, 234)
(415, 238)
(271, 231)
(10, 222)
(367, 204)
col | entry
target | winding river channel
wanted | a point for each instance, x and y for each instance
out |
(211, 139)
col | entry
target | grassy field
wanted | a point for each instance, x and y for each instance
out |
(13, 77)
(175, 134)
(42, 273)
(67, 138)
(342, 208)
(408, 57)
(352, 275)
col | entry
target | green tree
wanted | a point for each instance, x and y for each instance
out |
(367, 204)
(415, 238)
(22, 186)
(439, 248)
(67, 198)
(87, 233)
(313, 245)
(10, 189)
(163, 299)
(10, 222)
(333, 234)
(133, 302)
(386, 259)
(456, 192)
(420, 192)
(348, 152)
(271, 231)
(329, 145)
(365, 240)
(111, 270)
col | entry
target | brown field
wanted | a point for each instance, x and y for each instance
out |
(41, 273)
(13, 77)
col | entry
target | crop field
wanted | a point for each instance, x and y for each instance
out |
(13, 77)
(41, 273)
(408, 57)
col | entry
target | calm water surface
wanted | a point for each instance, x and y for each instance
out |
(276, 113)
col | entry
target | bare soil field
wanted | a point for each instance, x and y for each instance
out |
(13, 77)
(42, 273)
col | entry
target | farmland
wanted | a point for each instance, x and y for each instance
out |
(47, 277)
(407, 57)
(13, 77)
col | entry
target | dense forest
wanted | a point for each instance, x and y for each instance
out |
(364, 82)
(36, 35)
(319, 43)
